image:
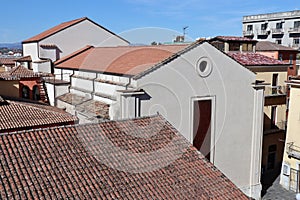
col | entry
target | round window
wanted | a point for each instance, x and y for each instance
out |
(204, 67)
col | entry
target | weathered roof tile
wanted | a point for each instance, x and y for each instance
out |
(132, 159)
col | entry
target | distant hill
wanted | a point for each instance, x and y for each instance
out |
(16, 45)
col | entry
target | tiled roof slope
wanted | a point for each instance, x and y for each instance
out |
(128, 60)
(270, 46)
(7, 61)
(19, 72)
(24, 59)
(54, 30)
(17, 115)
(254, 59)
(94, 108)
(144, 158)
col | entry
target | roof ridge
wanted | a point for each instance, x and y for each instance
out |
(169, 59)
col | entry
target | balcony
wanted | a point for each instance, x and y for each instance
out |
(296, 45)
(275, 90)
(263, 32)
(277, 31)
(293, 151)
(248, 33)
(275, 95)
(294, 30)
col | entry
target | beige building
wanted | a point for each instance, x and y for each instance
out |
(290, 171)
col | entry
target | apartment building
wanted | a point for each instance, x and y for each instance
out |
(281, 28)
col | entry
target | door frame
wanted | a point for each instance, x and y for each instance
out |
(212, 121)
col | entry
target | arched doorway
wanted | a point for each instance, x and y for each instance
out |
(36, 93)
(25, 92)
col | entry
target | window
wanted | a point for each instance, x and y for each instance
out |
(280, 57)
(271, 157)
(291, 58)
(296, 41)
(247, 47)
(36, 93)
(250, 28)
(234, 47)
(264, 26)
(297, 24)
(25, 92)
(279, 25)
(278, 41)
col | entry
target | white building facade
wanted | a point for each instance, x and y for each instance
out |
(281, 28)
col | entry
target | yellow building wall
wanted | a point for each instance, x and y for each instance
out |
(281, 109)
(9, 88)
(293, 129)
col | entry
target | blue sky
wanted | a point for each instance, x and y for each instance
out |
(21, 19)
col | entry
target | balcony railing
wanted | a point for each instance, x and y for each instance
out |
(263, 32)
(293, 150)
(277, 31)
(295, 45)
(294, 30)
(248, 33)
(275, 90)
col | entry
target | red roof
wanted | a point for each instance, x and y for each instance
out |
(18, 115)
(128, 60)
(54, 30)
(142, 158)
(19, 72)
(7, 61)
(270, 46)
(254, 59)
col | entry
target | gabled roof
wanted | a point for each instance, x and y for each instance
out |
(143, 158)
(270, 46)
(18, 115)
(123, 60)
(62, 27)
(19, 72)
(254, 59)
(233, 39)
(24, 59)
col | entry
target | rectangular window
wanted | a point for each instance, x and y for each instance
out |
(279, 25)
(291, 58)
(250, 28)
(296, 41)
(278, 41)
(296, 24)
(234, 47)
(264, 26)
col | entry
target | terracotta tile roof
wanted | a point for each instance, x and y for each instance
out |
(7, 61)
(270, 46)
(134, 159)
(94, 108)
(234, 38)
(254, 59)
(54, 30)
(128, 60)
(19, 72)
(24, 59)
(17, 115)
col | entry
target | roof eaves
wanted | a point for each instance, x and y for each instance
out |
(169, 59)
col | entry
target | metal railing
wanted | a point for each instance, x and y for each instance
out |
(275, 90)
(263, 32)
(277, 31)
(248, 33)
(293, 150)
(294, 30)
